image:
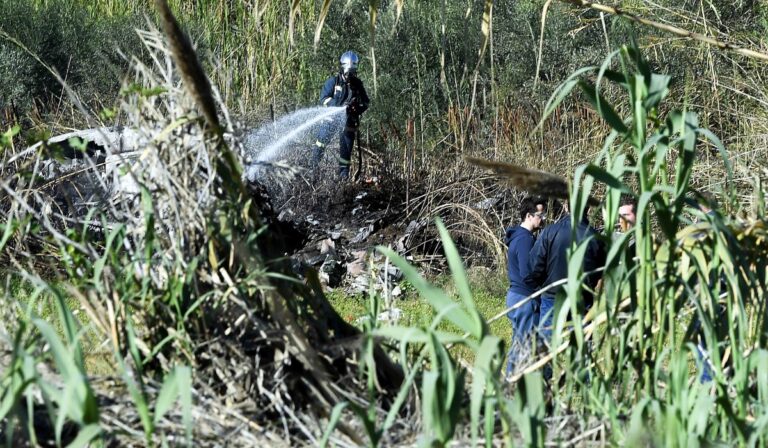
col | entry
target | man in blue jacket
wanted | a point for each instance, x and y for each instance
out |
(549, 263)
(343, 89)
(520, 240)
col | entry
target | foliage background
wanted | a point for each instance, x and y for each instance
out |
(422, 108)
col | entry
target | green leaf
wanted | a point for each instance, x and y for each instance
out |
(133, 381)
(481, 372)
(78, 144)
(7, 137)
(442, 364)
(604, 108)
(616, 77)
(98, 266)
(11, 397)
(8, 228)
(561, 92)
(435, 296)
(85, 435)
(332, 422)
(699, 415)
(62, 357)
(167, 396)
(430, 404)
(184, 378)
(402, 395)
(459, 276)
(638, 93)
(721, 150)
(661, 143)
(573, 287)
(579, 199)
(416, 335)
(635, 56)
(617, 247)
(607, 178)
(77, 401)
(658, 89)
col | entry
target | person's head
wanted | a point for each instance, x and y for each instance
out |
(348, 64)
(708, 202)
(532, 213)
(627, 212)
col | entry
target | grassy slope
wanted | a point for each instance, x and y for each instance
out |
(488, 286)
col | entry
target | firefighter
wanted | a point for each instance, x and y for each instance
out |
(343, 89)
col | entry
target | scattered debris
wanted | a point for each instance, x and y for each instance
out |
(327, 246)
(391, 316)
(362, 234)
(357, 267)
(331, 271)
(487, 204)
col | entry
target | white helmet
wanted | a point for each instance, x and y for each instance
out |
(349, 61)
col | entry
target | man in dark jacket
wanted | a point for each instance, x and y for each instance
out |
(520, 240)
(549, 263)
(343, 89)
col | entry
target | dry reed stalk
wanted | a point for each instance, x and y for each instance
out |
(591, 325)
(671, 29)
(534, 181)
(185, 57)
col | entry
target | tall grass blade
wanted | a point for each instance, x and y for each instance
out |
(484, 368)
(459, 277)
(295, 10)
(562, 91)
(334, 419)
(435, 296)
(85, 436)
(604, 108)
(321, 20)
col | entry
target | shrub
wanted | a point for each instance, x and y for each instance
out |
(82, 48)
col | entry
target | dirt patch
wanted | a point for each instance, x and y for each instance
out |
(341, 223)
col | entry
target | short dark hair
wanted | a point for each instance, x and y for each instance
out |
(628, 199)
(528, 205)
(709, 199)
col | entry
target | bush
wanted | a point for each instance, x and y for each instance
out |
(82, 48)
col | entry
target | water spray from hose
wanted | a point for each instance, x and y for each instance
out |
(289, 134)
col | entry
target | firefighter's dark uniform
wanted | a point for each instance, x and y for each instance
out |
(341, 91)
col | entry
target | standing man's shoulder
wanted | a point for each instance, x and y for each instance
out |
(549, 230)
(524, 236)
(327, 91)
(508, 234)
(330, 81)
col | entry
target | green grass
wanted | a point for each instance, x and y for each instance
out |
(19, 294)
(488, 289)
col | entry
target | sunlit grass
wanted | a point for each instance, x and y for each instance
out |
(19, 294)
(488, 289)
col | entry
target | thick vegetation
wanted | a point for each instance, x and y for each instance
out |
(431, 90)
(201, 318)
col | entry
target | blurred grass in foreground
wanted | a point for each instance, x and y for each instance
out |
(489, 289)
